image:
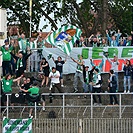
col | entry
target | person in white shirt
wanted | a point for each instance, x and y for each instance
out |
(114, 67)
(96, 83)
(55, 80)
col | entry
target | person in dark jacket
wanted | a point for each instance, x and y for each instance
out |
(112, 87)
(21, 64)
(87, 75)
(127, 75)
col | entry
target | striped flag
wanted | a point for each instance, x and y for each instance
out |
(64, 38)
(17, 125)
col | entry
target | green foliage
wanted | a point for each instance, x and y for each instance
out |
(90, 16)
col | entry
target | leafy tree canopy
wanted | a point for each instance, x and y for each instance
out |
(89, 15)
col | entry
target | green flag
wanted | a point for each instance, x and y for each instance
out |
(64, 38)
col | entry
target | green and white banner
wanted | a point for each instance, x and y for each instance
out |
(96, 54)
(17, 125)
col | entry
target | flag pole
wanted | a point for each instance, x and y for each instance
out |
(30, 14)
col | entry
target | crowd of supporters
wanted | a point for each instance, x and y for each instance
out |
(16, 53)
(112, 39)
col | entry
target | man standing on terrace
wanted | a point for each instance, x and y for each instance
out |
(78, 73)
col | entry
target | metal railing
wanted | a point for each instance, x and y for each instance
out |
(65, 105)
(83, 125)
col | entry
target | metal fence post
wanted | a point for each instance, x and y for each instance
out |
(7, 106)
(80, 125)
(120, 106)
(35, 110)
(91, 105)
(63, 106)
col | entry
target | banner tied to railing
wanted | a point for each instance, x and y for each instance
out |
(17, 125)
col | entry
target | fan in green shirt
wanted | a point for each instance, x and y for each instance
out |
(6, 49)
(7, 83)
(34, 93)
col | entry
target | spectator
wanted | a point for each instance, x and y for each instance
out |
(33, 57)
(93, 40)
(12, 60)
(122, 42)
(96, 83)
(23, 43)
(33, 96)
(127, 75)
(21, 64)
(78, 73)
(6, 63)
(99, 38)
(7, 83)
(81, 42)
(104, 43)
(24, 85)
(114, 67)
(59, 66)
(99, 66)
(112, 87)
(113, 41)
(29, 84)
(55, 80)
(129, 41)
(87, 75)
(40, 45)
(44, 66)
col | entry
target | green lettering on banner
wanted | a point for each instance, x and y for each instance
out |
(85, 53)
(127, 52)
(112, 52)
(96, 53)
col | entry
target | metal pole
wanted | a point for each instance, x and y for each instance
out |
(30, 26)
(119, 106)
(35, 110)
(63, 106)
(91, 106)
(30, 13)
(7, 106)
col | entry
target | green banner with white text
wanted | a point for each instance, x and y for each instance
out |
(17, 125)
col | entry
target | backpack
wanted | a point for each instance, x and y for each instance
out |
(52, 114)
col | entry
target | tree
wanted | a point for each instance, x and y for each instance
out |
(89, 15)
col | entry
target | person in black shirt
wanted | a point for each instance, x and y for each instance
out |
(44, 67)
(59, 66)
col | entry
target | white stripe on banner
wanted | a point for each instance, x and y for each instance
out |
(17, 125)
